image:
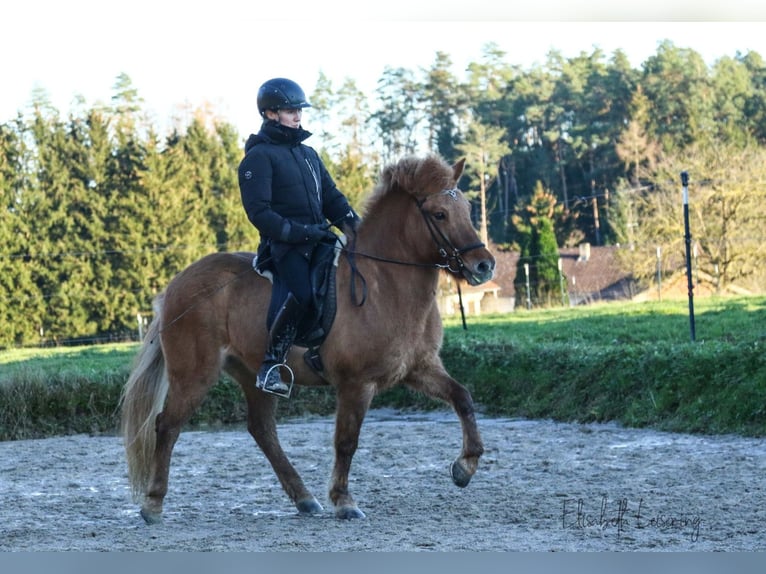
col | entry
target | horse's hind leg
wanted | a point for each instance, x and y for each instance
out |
(438, 384)
(185, 394)
(261, 423)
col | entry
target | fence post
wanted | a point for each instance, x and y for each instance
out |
(659, 273)
(529, 297)
(561, 283)
(688, 241)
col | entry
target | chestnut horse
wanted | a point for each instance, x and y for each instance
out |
(212, 318)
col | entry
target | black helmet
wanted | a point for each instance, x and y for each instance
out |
(279, 94)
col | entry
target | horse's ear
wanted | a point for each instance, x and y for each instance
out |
(457, 169)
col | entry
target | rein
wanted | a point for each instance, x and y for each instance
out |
(451, 254)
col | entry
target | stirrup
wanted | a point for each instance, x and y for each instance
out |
(277, 389)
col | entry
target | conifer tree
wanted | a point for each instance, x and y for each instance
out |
(538, 248)
(445, 106)
(21, 305)
(483, 148)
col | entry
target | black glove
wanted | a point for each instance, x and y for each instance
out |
(310, 233)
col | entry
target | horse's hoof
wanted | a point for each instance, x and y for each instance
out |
(151, 517)
(348, 512)
(460, 476)
(309, 506)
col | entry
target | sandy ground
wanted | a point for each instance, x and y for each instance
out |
(541, 486)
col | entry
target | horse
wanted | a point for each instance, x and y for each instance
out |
(211, 318)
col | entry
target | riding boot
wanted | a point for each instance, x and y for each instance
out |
(281, 337)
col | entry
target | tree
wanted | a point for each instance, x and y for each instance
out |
(634, 147)
(232, 228)
(445, 106)
(87, 209)
(677, 83)
(399, 117)
(487, 86)
(732, 89)
(727, 213)
(323, 109)
(755, 103)
(488, 82)
(20, 303)
(350, 164)
(539, 253)
(527, 113)
(56, 201)
(483, 148)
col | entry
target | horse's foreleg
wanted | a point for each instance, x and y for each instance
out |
(352, 407)
(439, 385)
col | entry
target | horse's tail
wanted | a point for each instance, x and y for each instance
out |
(142, 400)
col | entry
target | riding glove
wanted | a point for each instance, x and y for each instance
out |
(309, 233)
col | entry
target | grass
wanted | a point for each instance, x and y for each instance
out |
(716, 319)
(90, 361)
(633, 363)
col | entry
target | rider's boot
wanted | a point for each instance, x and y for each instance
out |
(281, 337)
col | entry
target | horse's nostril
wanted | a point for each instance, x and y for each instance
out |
(485, 267)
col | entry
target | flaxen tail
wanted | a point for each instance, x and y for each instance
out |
(142, 400)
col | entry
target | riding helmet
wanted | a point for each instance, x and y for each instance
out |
(279, 94)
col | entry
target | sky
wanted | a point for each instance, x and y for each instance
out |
(216, 53)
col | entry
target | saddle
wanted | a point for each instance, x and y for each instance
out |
(315, 325)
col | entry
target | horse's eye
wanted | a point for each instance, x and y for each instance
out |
(440, 216)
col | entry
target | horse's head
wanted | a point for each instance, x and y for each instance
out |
(443, 231)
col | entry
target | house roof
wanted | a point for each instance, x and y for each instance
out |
(591, 271)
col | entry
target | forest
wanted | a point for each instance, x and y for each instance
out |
(100, 209)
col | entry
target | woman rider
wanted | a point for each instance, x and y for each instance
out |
(289, 197)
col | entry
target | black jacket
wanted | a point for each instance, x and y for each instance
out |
(283, 183)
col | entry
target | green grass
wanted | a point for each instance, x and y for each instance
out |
(90, 361)
(633, 363)
(716, 319)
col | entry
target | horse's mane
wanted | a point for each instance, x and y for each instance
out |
(418, 176)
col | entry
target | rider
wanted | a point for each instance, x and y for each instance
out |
(289, 197)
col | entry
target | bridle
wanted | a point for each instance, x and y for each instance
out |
(450, 253)
(452, 256)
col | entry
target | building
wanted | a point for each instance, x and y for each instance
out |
(591, 274)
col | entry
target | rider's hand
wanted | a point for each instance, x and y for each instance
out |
(310, 233)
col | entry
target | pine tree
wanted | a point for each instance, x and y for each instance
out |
(54, 197)
(399, 118)
(538, 249)
(445, 106)
(483, 148)
(21, 304)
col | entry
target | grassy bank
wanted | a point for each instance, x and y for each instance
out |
(631, 363)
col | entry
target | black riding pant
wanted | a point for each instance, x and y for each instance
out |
(292, 276)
